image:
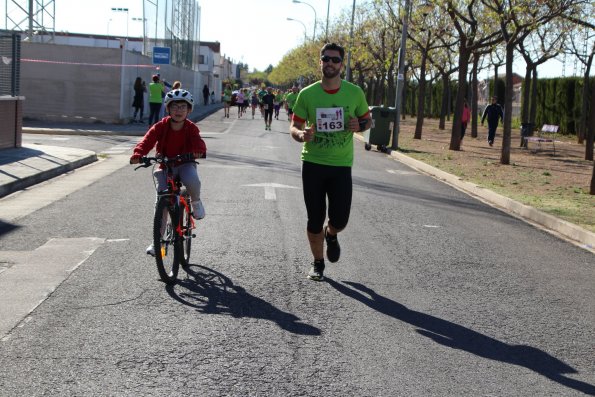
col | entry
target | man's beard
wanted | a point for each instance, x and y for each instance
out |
(330, 73)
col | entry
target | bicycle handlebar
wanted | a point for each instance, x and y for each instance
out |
(185, 158)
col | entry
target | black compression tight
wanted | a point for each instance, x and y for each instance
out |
(321, 182)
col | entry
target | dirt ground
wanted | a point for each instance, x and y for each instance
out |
(556, 183)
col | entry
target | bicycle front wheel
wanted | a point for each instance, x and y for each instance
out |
(166, 242)
(186, 224)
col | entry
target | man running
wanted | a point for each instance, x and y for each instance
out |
(290, 98)
(325, 116)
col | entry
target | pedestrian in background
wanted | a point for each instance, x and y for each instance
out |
(494, 113)
(205, 94)
(325, 116)
(138, 103)
(226, 100)
(156, 90)
(268, 101)
(465, 117)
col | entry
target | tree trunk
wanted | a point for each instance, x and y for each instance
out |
(525, 94)
(421, 97)
(506, 128)
(449, 104)
(582, 126)
(533, 111)
(475, 91)
(525, 101)
(495, 93)
(444, 109)
(592, 134)
(455, 137)
(591, 131)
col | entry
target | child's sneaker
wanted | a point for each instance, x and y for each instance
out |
(198, 210)
(151, 249)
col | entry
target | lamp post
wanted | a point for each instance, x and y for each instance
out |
(119, 9)
(425, 8)
(303, 2)
(107, 38)
(328, 8)
(143, 20)
(348, 69)
(400, 78)
(297, 20)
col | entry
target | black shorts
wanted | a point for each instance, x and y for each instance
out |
(322, 182)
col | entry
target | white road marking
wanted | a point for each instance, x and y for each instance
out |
(269, 189)
(399, 172)
(431, 226)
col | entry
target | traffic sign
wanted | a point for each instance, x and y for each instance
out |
(161, 55)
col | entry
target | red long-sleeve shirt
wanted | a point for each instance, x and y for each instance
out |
(171, 143)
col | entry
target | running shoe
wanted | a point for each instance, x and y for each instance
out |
(333, 249)
(151, 250)
(316, 272)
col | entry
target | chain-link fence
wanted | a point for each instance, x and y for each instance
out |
(173, 24)
(10, 64)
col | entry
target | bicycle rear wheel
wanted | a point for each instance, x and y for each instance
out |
(186, 223)
(166, 241)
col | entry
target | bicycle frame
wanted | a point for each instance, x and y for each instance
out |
(173, 190)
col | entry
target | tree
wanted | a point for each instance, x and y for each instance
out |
(475, 32)
(543, 44)
(517, 19)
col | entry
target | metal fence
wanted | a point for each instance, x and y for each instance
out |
(10, 64)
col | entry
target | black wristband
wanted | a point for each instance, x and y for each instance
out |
(362, 124)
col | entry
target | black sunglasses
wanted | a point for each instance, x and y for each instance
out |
(326, 58)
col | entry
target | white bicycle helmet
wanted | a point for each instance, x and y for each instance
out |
(179, 95)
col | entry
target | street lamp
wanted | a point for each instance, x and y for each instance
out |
(107, 38)
(328, 8)
(297, 20)
(143, 20)
(426, 7)
(119, 9)
(348, 70)
(303, 2)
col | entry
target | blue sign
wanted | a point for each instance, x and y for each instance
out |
(161, 55)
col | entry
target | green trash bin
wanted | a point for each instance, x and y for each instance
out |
(381, 131)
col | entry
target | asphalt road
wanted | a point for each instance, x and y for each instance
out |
(436, 294)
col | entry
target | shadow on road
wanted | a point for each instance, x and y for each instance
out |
(6, 228)
(458, 337)
(211, 292)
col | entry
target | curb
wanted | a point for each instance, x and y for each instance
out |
(118, 130)
(560, 228)
(28, 181)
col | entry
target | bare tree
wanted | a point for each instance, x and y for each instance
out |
(517, 20)
(541, 45)
(474, 32)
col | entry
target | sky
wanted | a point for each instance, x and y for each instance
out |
(254, 32)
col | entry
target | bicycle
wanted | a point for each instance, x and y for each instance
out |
(173, 223)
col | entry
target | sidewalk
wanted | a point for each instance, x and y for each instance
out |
(31, 164)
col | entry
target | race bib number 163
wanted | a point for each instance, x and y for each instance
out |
(329, 120)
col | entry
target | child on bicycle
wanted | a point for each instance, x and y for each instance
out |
(175, 135)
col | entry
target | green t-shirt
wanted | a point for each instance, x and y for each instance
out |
(330, 114)
(155, 91)
(290, 98)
